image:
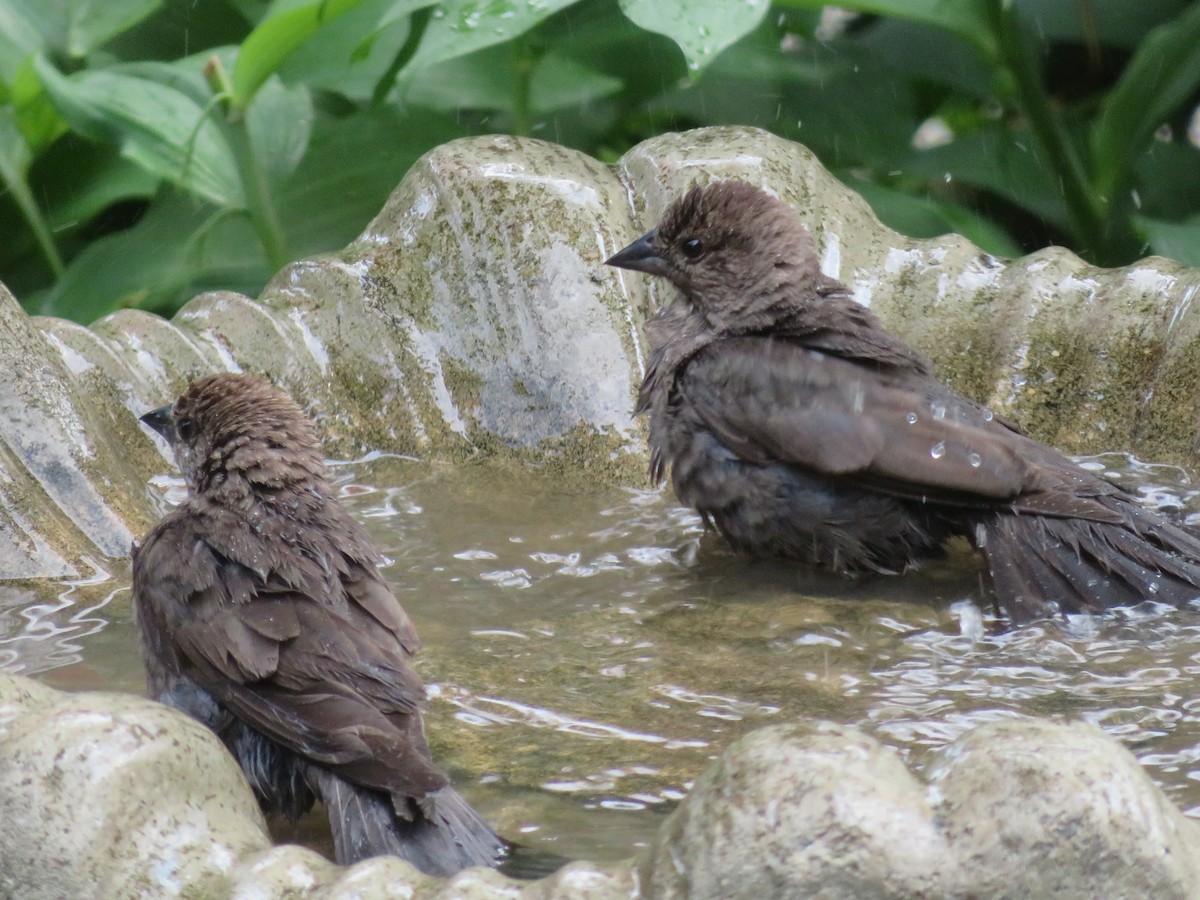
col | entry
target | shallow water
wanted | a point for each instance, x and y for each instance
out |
(589, 653)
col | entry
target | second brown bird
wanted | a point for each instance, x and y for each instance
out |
(798, 426)
(263, 615)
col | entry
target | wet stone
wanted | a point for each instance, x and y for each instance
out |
(110, 795)
(1012, 810)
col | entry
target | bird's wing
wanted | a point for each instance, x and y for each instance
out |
(323, 679)
(776, 400)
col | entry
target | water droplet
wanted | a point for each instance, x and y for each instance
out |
(938, 450)
(938, 410)
(988, 415)
(974, 459)
(911, 418)
(1152, 587)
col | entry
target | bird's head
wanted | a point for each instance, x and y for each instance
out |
(738, 254)
(240, 425)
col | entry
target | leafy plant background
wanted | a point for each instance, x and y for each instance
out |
(151, 149)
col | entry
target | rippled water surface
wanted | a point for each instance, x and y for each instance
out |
(590, 652)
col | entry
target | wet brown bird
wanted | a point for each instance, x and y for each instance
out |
(263, 615)
(798, 427)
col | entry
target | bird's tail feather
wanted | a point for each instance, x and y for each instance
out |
(1042, 564)
(440, 836)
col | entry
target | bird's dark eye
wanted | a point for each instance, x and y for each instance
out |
(692, 248)
(186, 429)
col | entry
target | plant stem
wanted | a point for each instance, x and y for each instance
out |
(259, 202)
(416, 30)
(527, 59)
(1085, 210)
(37, 224)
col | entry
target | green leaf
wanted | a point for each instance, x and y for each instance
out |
(160, 128)
(274, 39)
(14, 167)
(926, 217)
(1167, 179)
(350, 55)
(78, 180)
(338, 188)
(969, 19)
(1005, 161)
(178, 249)
(92, 22)
(459, 27)
(279, 122)
(842, 105)
(35, 114)
(23, 32)
(1179, 241)
(1164, 72)
(701, 28)
(488, 80)
(917, 53)
(560, 82)
(186, 75)
(1106, 23)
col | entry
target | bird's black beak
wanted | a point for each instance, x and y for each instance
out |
(160, 420)
(641, 256)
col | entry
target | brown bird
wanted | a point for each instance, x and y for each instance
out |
(263, 615)
(798, 427)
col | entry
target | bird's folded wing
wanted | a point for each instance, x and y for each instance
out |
(330, 684)
(774, 400)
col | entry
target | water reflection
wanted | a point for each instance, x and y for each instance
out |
(586, 661)
(44, 629)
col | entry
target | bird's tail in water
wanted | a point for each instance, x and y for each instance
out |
(444, 834)
(1043, 564)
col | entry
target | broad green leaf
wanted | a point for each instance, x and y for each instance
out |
(488, 80)
(350, 55)
(1167, 178)
(1107, 23)
(353, 164)
(279, 122)
(968, 19)
(926, 217)
(484, 80)
(186, 75)
(35, 114)
(701, 28)
(24, 31)
(459, 27)
(1179, 241)
(917, 53)
(252, 11)
(92, 22)
(560, 82)
(1001, 160)
(14, 167)
(160, 128)
(274, 39)
(77, 179)
(14, 152)
(177, 250)
(1162, 75)
(842, 105)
